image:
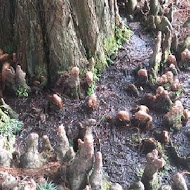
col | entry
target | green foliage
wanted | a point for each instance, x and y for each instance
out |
(12, 126)
(116, 40)
(8, 110)
(101, 63)
(22, 92)
(110, 45)
(122, 35)
(139, 172)
(178, 92)
(106, 185)
(174, 122)
(89, 53)
(91, 88)
(167, 167)
(48, 185)
(8, 130)
(9, 126)
(155, 184)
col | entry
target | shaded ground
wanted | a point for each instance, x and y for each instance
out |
(123, 157)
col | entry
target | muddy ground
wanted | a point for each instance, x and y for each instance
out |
(123, 155)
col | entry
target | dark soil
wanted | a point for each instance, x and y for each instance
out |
(123, 155)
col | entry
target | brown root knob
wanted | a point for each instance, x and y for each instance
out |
(165, 137)
(14, 57)
(57, 101)
(185, 55)
(143, 75)
(92, 101)
(123, 116)
(143, 108)
(186, 114)
(75, 71)
(4, 56)
(1, 52)
(172, 66)
(172, 59)
(159, 90)
(170, 76)
(143, 116)
(89, 77)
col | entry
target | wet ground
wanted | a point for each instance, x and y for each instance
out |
(123, 156)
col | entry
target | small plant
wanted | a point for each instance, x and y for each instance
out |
(139, 172)
(9, 126)
(156, 183)
(91, 88)
(178, 92)
(22, 92)
(48, 185)
(89, 53)
(110, 45)
(122, 35)
(106, 185)
(12, 126)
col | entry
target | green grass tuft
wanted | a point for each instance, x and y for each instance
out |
(22, 92)
(48, 185)
(10, 127)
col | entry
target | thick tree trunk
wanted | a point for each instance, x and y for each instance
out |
(6, 24)
(52, 35)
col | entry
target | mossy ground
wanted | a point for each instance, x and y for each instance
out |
(110, 45)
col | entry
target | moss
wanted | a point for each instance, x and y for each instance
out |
(155, 184)
(174, 122)
(177, 121)
(89, 53)
(158, 63)
(100, 63)
(8, 125)
(112, 43)
(91, 88)
(106, 185)
(96, 77)
(176, 93)
(152, 78)
(122, 35)
(186, 43)
(139, 172)
(110, 46)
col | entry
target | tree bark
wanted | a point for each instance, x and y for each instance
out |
(52, 35)
(6, 24)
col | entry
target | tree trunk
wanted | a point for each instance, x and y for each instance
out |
(6, 25)
(52, 35)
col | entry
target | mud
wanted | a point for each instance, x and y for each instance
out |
(123, 156)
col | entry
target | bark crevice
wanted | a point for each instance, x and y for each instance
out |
(45, 39)
(51, 36)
